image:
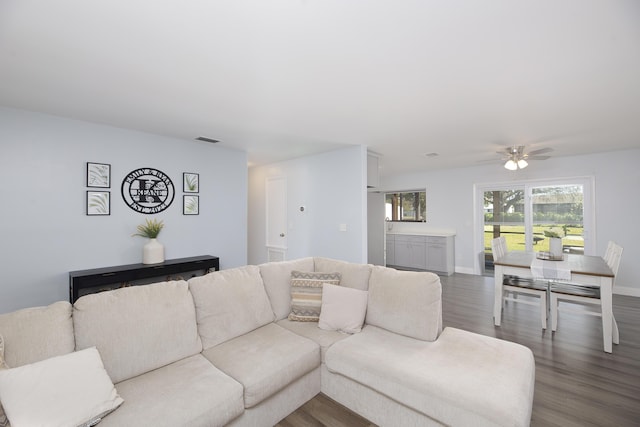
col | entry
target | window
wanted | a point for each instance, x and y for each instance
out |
(523, 212)
(410, 206)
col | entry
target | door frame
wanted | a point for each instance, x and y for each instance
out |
(589, 222)
(276, 250)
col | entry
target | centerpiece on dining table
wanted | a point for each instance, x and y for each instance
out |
(555, 252)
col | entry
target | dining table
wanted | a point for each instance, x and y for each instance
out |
(585, 270)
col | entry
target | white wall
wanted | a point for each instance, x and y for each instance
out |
(375, 229)
(44, 231)
(332, 187)
(450, 201)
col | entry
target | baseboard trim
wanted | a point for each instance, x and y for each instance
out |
(624, 290)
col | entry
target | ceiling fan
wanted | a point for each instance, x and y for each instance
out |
(516, 158)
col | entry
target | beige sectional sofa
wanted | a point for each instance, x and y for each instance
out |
(220, 350)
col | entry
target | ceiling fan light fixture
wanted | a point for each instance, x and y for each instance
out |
(511, 165)
(522, 163)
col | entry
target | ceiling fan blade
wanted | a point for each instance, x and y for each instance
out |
(540, 151)
(538, 157)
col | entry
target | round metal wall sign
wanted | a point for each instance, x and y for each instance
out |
(147, 190)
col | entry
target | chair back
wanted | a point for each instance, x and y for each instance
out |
(613, 260)
(498, 247)
(609, 252)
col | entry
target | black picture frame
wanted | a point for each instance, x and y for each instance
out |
(190, 204)
(98, 175)
(190, 182)
(98, 203)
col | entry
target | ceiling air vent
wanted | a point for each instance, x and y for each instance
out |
(206, 139)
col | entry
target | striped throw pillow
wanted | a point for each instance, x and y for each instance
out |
(306, 294)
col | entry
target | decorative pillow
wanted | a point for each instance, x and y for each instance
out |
(343, 309)
(69, 390)
(306, 294)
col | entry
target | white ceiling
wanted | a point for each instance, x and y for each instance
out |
(285, 78)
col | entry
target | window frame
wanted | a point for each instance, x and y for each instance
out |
(397, 210)
(588, 221)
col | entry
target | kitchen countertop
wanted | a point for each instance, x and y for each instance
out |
(422, 233)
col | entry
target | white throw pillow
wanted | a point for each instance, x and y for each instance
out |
(343, 309)
(69, 390)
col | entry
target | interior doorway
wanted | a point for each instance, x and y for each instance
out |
(276, 221)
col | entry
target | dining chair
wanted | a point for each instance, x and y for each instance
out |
(498, 250)
(608, 253)
(585, 295)
(499, 247)
(521, 285)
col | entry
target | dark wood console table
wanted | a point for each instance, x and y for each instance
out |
(83, 282)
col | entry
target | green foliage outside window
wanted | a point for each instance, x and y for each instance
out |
(410, 206)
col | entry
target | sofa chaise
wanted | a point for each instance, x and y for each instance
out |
(222, 349)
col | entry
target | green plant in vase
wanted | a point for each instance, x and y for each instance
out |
(153, 251)
(150, 229)
(555, 241)
(551, 233)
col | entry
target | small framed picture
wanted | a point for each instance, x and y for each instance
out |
(98, 203)
(98, 175)
(190, 205)
(190, 182)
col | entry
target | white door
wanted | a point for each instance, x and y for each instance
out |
(276, 191)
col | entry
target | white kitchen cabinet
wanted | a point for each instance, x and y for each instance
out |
(373, 178)
(391, 249)
(411, 251)
(440, 254)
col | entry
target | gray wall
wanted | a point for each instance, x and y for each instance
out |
(44, 232)
(332, 187)
(450, 202)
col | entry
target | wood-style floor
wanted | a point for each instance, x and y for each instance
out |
(577, 383)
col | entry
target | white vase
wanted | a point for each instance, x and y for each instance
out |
(153, 252)
(555, 246)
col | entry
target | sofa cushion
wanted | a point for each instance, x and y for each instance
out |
(37, 333)
(139, 328)
(4, 422)
(311, 330)
(405, 302)
(277, 282)
(306, 294)
(189, 392)
(352, 275)
(461, 379)
(265, 360)
(230, 303)
(343, 309)
(69, 390)
(3, 364)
